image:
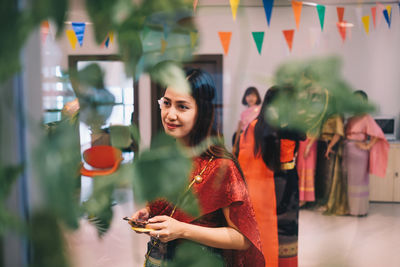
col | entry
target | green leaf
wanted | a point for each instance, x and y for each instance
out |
(48, 243)
(8, 176)
(101, 13)
(311, 91)
(120, 136)
(170, 74)
(57, 161)
(162, 172)
(195, 255)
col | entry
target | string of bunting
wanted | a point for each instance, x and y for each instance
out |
(343, 27)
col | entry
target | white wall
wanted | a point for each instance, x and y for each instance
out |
(370, 63)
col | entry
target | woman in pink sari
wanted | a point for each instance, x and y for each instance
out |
(366, 151)
(306, 161)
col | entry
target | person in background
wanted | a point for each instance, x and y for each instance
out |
(306, 162)
(267, 156)
(257, 149)
(252, 100)
(366, 151)
(330, 187)
(226, 225)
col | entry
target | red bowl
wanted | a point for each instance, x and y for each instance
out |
(102, 157)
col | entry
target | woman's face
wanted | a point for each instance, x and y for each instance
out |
(178, 114)
(251, 99)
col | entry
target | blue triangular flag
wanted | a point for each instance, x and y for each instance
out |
(386, 14)
(79, 29)
(268, 4)
(107, 41)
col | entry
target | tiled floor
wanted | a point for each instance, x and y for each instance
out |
(324, 241)
(336, 241)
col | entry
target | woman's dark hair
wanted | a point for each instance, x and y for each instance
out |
(249, 91)
(362, 94)
(266, 139)
(203, 91)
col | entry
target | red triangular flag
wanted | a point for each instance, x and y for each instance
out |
(342, 29)
(340, 13)
(289, 37)
(225, 38)
(45, 29)
(195, 2)
(373, 12)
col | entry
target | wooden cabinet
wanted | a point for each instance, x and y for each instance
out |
(387, 189)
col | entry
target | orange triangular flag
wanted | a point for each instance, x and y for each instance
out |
(342, 29)
(72, 38)
(225, 38)
(365, 21)
(234, 7)
(340, 13)
(289, 38)
(373, 12)
(297, 5)
(195, 2)
(163, 46)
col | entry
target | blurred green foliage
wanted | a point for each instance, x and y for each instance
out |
(17, 21)
(312, 91)
(8, 177)
(48, 245)
(162, 172)
(57, 161)
(195, 255)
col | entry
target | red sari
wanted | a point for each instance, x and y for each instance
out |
(260, 181)
(222, 186)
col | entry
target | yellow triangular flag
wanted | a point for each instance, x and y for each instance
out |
(389, 9)
(234, 7)
(163, 46)
(193, 38)
(365, 21)
(72, 38)
(111, 35)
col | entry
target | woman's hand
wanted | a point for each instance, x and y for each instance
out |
(328, 151)
(166, 228)
(140, 216)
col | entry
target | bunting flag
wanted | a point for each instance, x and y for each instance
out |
(297, 5)
(79, 29)
(389, 9)
(225, 38)
(268, 4)
(163, 46)
(342, 29)
(373, 12)
(340, 13)
(72, 38)
(111, 34)
(379, 13)
(289, 38)
(387, 16)
(321, 15)
(258, 39)
(365, 21)
(44, 30)
(234, 7)
(107, 42)
(193, 38)
(195, 2)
